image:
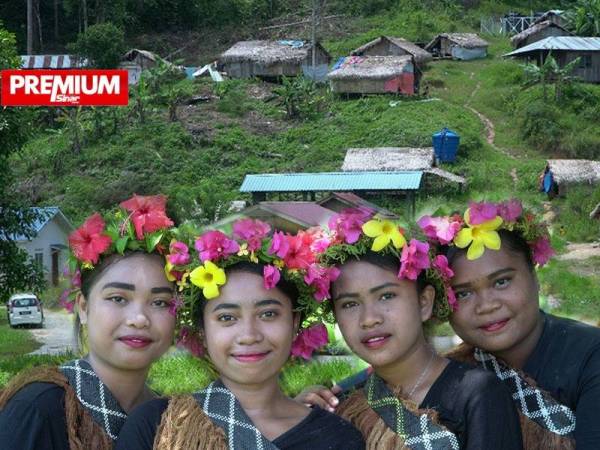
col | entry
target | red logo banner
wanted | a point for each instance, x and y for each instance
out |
(63, 88)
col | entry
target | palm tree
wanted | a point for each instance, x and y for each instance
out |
(549, 73)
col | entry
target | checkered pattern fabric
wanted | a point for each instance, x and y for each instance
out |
(95, 396)
(418, 431)
(225, 411)
(532, 402)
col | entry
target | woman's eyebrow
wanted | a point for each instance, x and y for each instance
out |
(491, 276)
(383, 286)
(161, 290)
(345, 294)
(226, 306)
(269, 301)
(118, 285)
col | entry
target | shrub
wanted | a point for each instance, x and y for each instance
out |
(540, 125)
(102, 44)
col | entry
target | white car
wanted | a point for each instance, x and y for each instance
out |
(25, 309)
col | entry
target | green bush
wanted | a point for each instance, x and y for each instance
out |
(540, 125)
(583, 143)
(102, 44)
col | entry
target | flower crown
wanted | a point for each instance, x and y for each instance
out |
(139, 224)
(283, 256)
(356, 231)
(479, 228)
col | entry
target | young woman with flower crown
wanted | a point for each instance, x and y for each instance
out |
(125, 302)
(550, 364)
(388, 289)
(248, 299)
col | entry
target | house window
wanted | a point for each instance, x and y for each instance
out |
(39, 258)
(585, 62)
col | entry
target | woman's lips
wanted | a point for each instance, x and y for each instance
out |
(135, 341)
(494, 326)
(375, 342)
(250, 357)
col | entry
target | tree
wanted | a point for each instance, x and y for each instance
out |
(17, 270)
(102, 45)
(585, 17)
(550, 73)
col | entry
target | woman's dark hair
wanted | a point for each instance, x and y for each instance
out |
(391, 263)
(285, 286)
(512, 240)
(89, 279)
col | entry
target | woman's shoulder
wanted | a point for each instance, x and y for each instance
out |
(47, 398)
(322, 430)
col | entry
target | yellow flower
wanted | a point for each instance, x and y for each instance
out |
(279, 263)
(479, 237)
(253, 258)
(208, 277)
(243, 251)
(183, 282)
(168, 269)
(383, 231)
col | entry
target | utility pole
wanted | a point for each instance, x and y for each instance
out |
(29, 27)
(317, 9)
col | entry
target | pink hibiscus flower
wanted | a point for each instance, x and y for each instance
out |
(271, 276)
(440, 262)
(414, 259)
(510, 210)
(279, 245)
(320, 278)
(443, 229)
(542, 251)
(310, 339)
(179, 254)
(347, 225)
(480, 212)
(299, 255)
(252, 231)
(213, 245)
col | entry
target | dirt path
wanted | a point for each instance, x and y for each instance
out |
(581, 251)
(57, 334)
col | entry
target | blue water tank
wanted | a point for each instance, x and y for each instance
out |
(445, 145)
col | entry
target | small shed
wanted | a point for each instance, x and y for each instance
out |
(406, 183)
(52, 62)
(136, 61)
(375, 75)
(48, 247)
(397, 159)
(271, 59)
(464, 46)
(537, 32)
(561, 173)
(566, 49)
(393, 46)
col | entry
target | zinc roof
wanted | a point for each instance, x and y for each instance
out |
(573, 43)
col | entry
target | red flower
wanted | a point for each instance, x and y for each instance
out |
(147, 213)
(299, 255)
(87, 242)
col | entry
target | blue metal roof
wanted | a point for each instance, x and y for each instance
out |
(571, 43)
(44, 215)
(332, 181)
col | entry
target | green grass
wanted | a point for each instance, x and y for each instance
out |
(579, 296)
(14, 341)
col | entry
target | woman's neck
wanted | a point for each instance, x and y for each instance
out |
(261, 397)
(517, 355)
(415, 372)
(127, 386)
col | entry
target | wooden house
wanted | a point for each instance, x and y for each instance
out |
(537, 32)
(375, 75)
(566, 49)
(52, 62)
(135, 61)
(463, 46)
(272, 59)
(393, 46)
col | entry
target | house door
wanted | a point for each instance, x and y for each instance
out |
(54, 268)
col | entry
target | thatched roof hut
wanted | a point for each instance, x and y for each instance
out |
(247, 59)
(560, 173)
(396, 159)
(375, 75)
(393, 46)
(538, 32)
(463, 46)
(135, 61)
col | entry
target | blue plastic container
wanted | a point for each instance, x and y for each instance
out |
(445, 145)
